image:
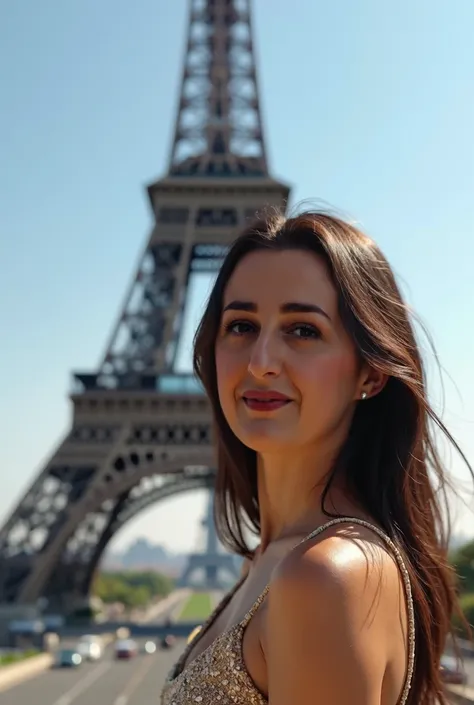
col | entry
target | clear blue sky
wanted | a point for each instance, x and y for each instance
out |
(368, 106)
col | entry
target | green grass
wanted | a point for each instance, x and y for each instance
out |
(197, 608)
(16, 657)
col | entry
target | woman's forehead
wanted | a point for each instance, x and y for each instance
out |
(268, 276)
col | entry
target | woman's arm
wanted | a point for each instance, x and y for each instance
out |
(327, 636)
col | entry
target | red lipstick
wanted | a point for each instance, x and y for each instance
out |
(268, 400)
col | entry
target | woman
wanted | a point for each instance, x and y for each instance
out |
(324, 443)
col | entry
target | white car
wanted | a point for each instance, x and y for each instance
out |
(90, 650)
(126, 649)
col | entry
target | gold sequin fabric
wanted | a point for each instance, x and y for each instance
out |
(218, 675)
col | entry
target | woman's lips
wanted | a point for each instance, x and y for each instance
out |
(265, 404)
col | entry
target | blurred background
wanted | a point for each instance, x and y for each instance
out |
(366, 107)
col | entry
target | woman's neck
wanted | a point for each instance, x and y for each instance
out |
(290, 490)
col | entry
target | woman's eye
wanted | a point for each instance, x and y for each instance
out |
(305, 332)
(239, 327)
(302, 331)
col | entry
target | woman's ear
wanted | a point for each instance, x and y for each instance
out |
(372, 381)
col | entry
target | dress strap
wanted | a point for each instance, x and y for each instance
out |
(406, 582)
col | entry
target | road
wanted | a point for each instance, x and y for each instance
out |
(469, 668)
(468, 664)
(165, 609)
(108, 682)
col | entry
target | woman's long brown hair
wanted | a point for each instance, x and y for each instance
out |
(390, 457)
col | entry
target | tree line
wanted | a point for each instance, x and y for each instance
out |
(462, 561)
(131, 588)
(138, 588)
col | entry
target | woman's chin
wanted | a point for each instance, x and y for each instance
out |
(265, 437)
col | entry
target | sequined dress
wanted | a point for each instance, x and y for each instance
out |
(218, 675)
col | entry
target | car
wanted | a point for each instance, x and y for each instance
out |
(452, 671)
(126, 649)
(68, 658)
(168, 641)
(90, 650)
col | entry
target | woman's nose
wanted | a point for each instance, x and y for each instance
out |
(265, 358)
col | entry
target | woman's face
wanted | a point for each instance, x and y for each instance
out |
(287, 371)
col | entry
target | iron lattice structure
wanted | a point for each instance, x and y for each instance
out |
(218, 128)
(218, 569)
(139, 432)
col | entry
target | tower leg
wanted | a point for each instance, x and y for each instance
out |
(219, 569)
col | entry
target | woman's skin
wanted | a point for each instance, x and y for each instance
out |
(333, 627)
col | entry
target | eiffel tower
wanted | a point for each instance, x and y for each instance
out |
(141, 433)
(219, 569)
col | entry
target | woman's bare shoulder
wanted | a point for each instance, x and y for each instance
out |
(327, 615)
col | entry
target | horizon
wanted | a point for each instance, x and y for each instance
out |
(456, 541)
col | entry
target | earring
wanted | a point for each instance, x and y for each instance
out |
(363, 395)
